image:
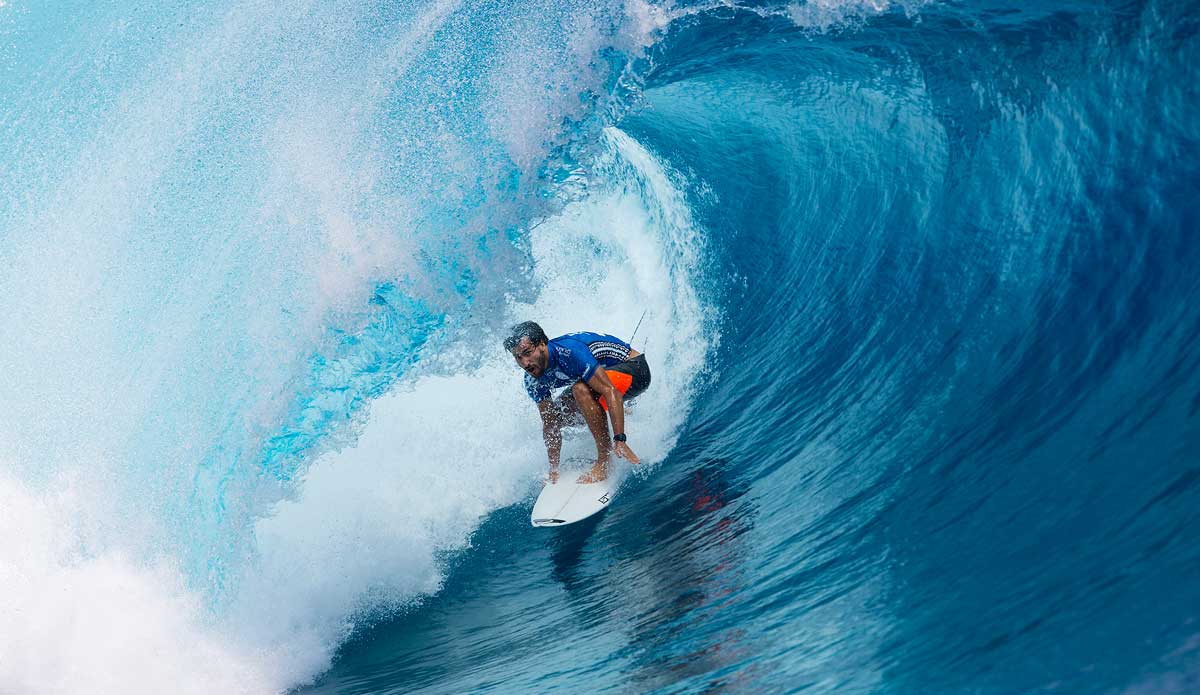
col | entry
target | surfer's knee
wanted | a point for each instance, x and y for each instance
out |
(581, 392)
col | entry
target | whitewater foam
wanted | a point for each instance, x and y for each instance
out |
(105, 623)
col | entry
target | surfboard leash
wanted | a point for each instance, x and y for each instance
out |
(639, 325)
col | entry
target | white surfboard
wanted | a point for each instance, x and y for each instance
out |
(568, 501)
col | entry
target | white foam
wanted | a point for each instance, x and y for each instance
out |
(108, 623)
(821, 15)
(826, 14)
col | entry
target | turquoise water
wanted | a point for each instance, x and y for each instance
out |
(919, 283)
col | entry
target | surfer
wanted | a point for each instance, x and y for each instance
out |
(602, 371)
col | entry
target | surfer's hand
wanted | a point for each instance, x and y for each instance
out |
(625, 452)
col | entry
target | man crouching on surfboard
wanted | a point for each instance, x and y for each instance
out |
(602, 371)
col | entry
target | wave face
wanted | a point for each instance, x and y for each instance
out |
(918, 284)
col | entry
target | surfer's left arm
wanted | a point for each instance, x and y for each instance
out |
(601, 384)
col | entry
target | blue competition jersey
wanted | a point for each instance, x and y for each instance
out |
(574, 357)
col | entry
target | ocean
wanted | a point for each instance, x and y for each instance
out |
(918, 282)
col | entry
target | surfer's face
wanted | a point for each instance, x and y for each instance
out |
(532, 358)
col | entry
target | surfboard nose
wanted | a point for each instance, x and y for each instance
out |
(569, 501)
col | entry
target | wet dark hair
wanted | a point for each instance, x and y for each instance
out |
(525, 329)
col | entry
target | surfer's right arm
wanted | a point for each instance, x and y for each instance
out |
(551, 435)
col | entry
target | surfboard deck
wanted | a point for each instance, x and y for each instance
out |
(567, 501)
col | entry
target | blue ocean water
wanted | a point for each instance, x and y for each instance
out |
(919, 283)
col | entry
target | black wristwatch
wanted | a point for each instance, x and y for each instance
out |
(619, 437)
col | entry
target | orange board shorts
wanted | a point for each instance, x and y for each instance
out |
(630, 377)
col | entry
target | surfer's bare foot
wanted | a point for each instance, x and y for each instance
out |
(553, 474)
(599, 472)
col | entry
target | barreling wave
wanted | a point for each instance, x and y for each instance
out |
(918, 294)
